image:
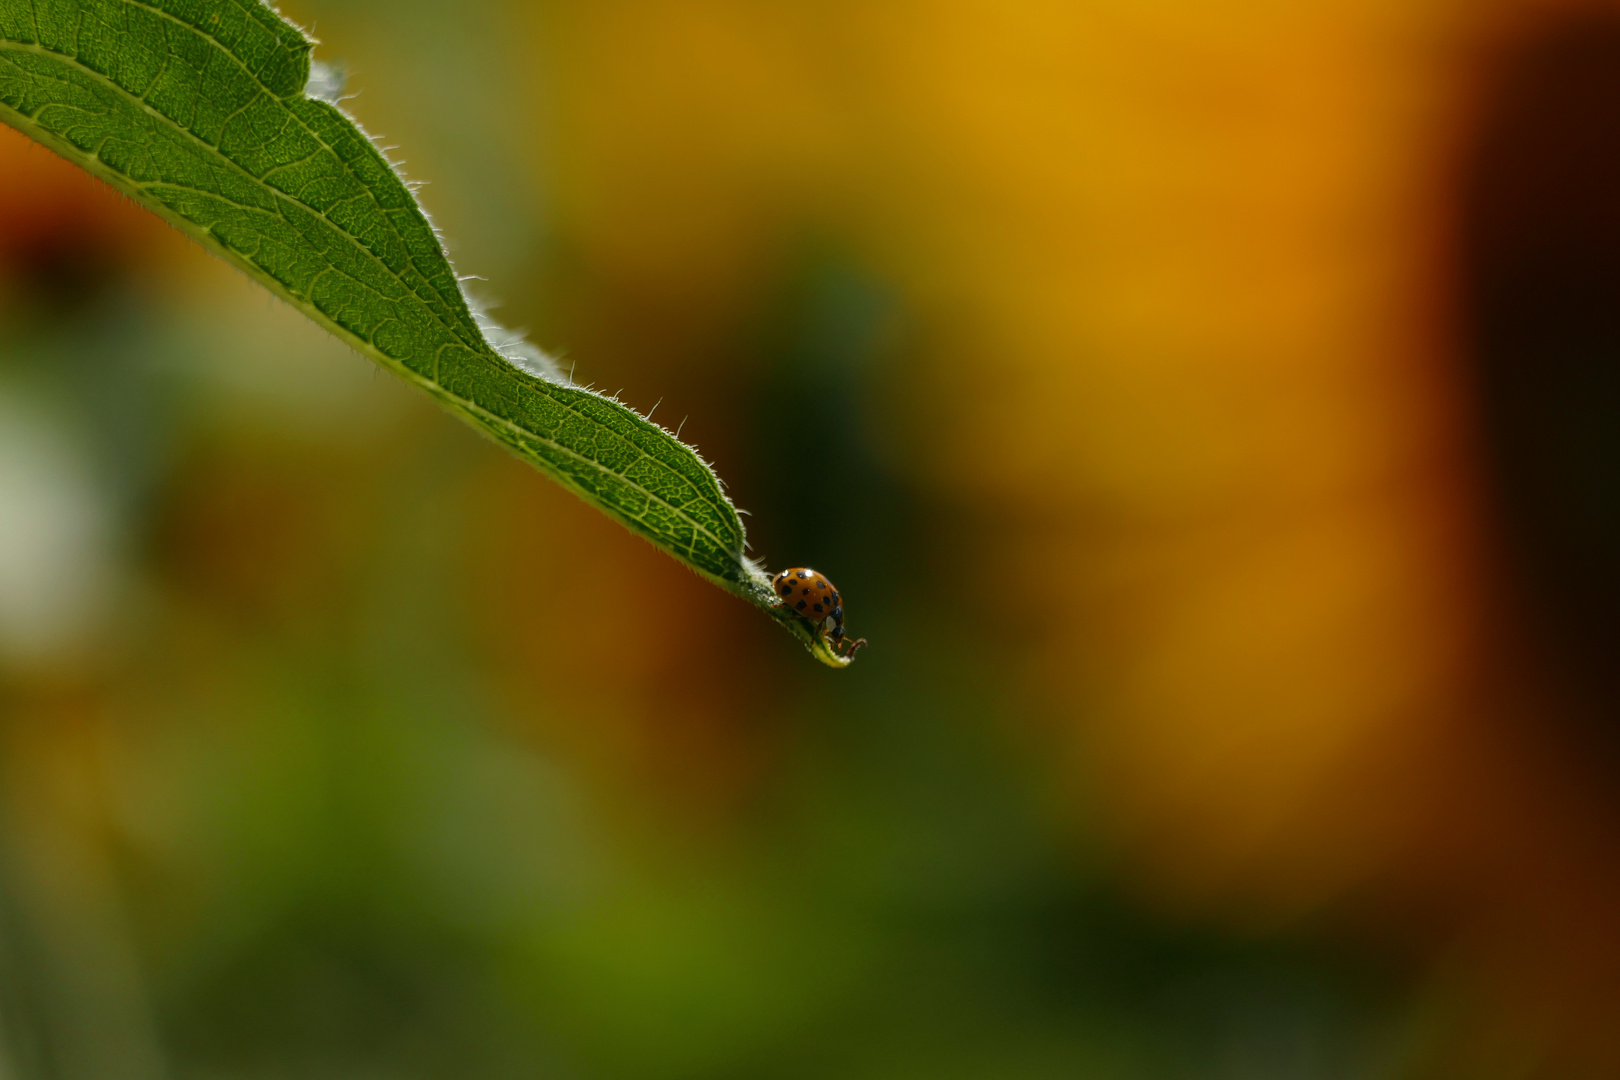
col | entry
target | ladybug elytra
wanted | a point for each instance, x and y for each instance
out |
(813, 598)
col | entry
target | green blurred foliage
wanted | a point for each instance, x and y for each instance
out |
(361, 757)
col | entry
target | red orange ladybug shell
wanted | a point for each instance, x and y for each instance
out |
(811, 595)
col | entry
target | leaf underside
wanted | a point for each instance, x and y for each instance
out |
(197, 110)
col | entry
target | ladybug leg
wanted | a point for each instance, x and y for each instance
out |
(849, 647)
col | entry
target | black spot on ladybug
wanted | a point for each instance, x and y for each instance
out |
(799, 605)
(787, 590)
(804, 573)
(821, 584)
(818, 608)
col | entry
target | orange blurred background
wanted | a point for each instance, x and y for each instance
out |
(1211, 411)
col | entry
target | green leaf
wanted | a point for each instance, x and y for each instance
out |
(198, 110)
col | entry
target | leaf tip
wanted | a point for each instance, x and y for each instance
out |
(815, 643)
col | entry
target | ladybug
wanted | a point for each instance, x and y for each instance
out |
(812, 597)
